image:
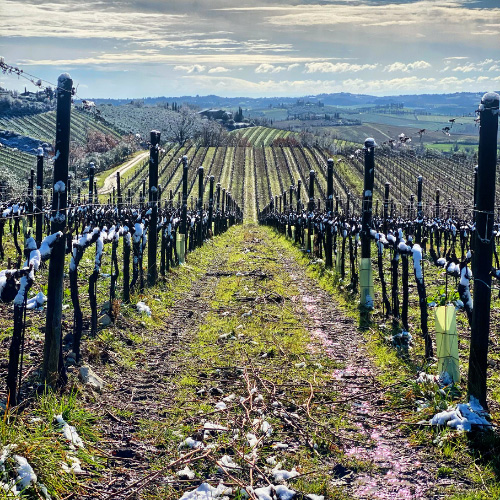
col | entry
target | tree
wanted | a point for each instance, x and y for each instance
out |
(238, 116)
(182, 125)
(212, 134)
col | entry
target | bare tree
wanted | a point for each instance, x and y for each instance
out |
(212, 134)
(182, 125)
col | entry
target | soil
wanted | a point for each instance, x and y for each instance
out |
(399, 469)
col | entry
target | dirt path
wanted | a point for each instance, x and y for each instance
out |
(110, 180)
(252, 309)
(400, 470)
(143, 392)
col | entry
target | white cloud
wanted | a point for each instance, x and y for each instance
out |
(406, 84)
(467, 68)
(193, 68)
(134, 57)
(269, 68)
(328, 67)
(237, 86)
(477, 67)
(417, 12)
(293, 66)
(486, 33)
(219, 69)
(406, 68)
(86, 20)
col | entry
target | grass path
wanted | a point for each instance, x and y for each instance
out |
(249, 202)
(248, 373)
(110, 180)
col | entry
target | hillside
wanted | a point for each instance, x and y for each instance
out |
(42, 126)
(454, 103)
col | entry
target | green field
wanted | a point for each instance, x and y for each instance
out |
(43, 126)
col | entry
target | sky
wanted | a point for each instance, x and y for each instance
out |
(133, 49)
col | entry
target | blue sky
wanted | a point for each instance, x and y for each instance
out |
(258, 48)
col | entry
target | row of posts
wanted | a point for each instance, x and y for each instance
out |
(52, 358)
(483, 240)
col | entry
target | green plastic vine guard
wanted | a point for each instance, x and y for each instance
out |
(447, 341)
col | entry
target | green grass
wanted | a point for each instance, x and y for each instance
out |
(474, 457)
(105, 173)
(268, 348)
(36, 437)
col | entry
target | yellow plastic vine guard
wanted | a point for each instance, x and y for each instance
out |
(338, 263)
(181, 247)
(366, 282)
(447, 341)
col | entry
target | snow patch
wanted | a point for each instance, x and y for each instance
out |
(143, 308)
(69, 432)
(463, 416)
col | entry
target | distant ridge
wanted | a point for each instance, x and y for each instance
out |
(459, 102)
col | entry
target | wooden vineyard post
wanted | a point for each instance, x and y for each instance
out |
(119, 199)
(200, 206)
(420, 212)
(52, 353)
(475, 195)
(283, 220)
(91, 182)
(223, 210)
(380, 250)
(298, 226)
(437, 216)
(153, 206)
(182, 234)
(126, 264)
(329, 209)
(386, 206)
(39, 197)
(31, 184)
(310, 209)
(69, 191)
(210, 206)
(483, 246)
(366, 279)
(217, 211)
(474, 210)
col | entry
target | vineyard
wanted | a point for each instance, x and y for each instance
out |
(42, 126)
(263, 136)
(16, 162)
(159, 343)
(277, 168)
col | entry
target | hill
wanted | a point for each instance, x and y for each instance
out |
(42, 126)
